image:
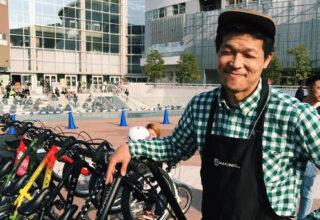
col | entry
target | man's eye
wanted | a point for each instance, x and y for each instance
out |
(249, 56)
(226, 52)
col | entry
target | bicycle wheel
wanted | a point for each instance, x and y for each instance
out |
(184, 196)
(116, 206)
(134, 207)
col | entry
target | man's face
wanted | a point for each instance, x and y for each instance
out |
(240, 63)
(315, 91)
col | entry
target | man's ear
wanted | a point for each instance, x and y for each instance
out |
(268, 60)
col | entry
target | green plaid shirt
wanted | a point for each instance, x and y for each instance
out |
(291, 137)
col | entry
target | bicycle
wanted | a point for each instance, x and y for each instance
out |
(134, 186)
(136, 191)
(40, 206)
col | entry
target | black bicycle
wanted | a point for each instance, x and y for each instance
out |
(152, 188)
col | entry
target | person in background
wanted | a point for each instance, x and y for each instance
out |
(2, 87)
(8, 87)
(311, 172)
(299, 93)
(154, 130)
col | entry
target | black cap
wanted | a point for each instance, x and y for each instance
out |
(265, 22)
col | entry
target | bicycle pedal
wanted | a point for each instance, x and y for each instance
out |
(59, 204)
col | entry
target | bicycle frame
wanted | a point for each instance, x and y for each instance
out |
(47, 162)
(74, 170)
(31, 151)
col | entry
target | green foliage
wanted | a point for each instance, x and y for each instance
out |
(302, 66)
(188, 68)
(154, 65)
(273, 71)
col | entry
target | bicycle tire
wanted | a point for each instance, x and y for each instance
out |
(185, 196)
(116, 207)
(130, 207)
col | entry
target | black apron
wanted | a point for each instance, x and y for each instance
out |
(231, 173)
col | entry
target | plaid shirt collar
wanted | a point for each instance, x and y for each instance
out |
(246, 106)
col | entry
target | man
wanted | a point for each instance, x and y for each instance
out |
(254, 141)
(299, 93)
(311, 172)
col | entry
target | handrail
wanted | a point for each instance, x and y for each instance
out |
(203, 85)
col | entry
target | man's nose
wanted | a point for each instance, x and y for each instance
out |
(237, 61)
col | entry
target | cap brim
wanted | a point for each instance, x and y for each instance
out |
(244, 15)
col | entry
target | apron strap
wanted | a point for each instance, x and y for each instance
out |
(258, 125)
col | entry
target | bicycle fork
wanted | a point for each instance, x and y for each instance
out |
(109, 194)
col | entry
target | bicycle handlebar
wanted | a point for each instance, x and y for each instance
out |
(68, 145)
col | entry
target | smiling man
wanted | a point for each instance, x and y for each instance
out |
(254, 141)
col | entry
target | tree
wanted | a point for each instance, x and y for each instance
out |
(154, 65)
(188, 68)
(273, 71)
(302, 64)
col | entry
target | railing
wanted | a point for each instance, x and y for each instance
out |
(159, 85)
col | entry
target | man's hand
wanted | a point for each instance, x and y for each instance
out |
(121, 155)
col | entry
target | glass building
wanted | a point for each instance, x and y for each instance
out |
(4, 37)
(136, 24)
(67, 41)
(194, 30)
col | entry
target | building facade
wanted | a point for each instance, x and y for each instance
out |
(189, 26)
(4, 37)
(69, 42)
(136, 24)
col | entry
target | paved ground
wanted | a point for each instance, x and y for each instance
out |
(188, 172)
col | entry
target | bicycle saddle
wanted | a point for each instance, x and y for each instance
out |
(33, 205)
(13, 189)
(4, 169)
(68, 213)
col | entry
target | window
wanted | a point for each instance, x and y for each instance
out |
(114, 48)
(182, 8)
(106, 48)
(16, 40)
(114, 8)
(96, 47)
(114, 39)
(155, 14)
(3, 39)
(162, 12)
(114, 19)
(70, 45)
(96, 26)
(49, 43)
(232, 2)
(114, 28)
(60, 44)
(175, 9)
